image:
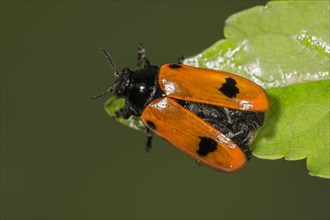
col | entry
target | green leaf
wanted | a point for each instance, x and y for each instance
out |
(297, 126)
(282, 43)
(113, 105)
(284, 47)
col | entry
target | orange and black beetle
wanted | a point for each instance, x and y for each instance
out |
(210, 115)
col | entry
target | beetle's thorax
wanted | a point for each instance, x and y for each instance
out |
(137, 87)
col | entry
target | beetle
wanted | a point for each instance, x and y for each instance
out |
(212, 116)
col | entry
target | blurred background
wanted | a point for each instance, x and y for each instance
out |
(62, 157)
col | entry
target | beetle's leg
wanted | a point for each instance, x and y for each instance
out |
(141, 54)
(123, 113)
(142, 60)
(198, 162)
(181, 59)
(247, 153)
(149, 139)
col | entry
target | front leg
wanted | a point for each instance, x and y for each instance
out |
(142, 60)
(124, 112)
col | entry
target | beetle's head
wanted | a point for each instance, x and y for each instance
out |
(123, 83)
(137, 87)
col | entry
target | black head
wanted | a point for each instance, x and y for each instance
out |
(137, 87)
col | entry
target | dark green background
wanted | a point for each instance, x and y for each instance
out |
(62, 157)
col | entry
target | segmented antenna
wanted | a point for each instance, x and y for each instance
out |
(110, 60)
(110, 90)
(113, 66)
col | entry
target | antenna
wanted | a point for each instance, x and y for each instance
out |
(110, 60)
(113, 66)
(108, 91)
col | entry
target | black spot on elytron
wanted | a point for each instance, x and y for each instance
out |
(207, 145)
(229, 88)
(175, 66)
(151, 125)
